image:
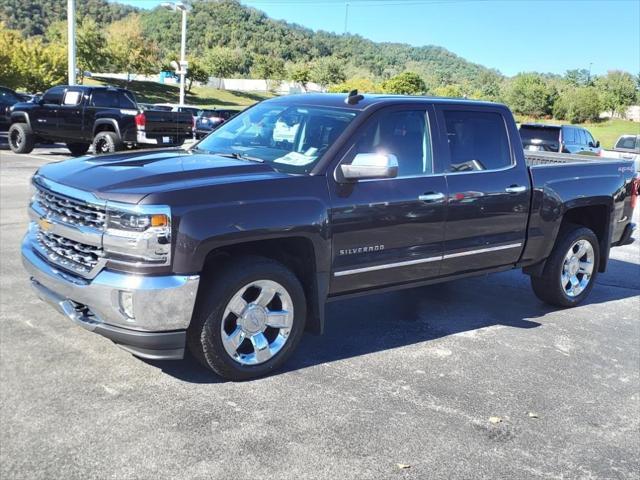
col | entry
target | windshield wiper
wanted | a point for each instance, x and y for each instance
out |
(239, 156)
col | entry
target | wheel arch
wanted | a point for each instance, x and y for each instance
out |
(296, 252)
(594, 215)
(106, 125)
(20, 117)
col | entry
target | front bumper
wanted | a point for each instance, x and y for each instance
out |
(162, 306)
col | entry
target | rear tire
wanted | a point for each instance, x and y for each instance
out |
(78, 149)
(107, 142)
(571, 269)
(247, 299)
(21, 138)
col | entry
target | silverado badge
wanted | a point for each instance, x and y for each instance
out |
(44, 224)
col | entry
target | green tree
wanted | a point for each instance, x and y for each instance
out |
(327, 71)
(406, 83)
(39, 66)
(617, 90)
(363, 85)
(91, 51)
(451, 91)
(195, 72)
(269, 68)
(129, 50)
(578, 105)
(300, 73)
(9, 41)
(528, 94)
(222, 62)
(578, 77)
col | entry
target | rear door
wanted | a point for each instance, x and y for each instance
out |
(70, 115)
(488, 190)
(389, 231)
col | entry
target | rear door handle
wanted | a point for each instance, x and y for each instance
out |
(431, 197)
(515, 189)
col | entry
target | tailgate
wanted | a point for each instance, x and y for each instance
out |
(168, 123)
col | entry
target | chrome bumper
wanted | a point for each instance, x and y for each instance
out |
(162, 306)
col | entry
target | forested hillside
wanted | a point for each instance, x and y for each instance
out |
(32, 17)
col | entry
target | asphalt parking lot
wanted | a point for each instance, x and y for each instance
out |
(466, 380)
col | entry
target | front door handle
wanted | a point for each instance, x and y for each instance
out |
(431, 197)
(515, 189)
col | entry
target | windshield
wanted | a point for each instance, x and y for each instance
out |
(291, 139)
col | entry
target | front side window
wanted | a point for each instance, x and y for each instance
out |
(589, 138)
(292, 139)
(403, 133)
(53, 96)
(582, 138)
(477, 141)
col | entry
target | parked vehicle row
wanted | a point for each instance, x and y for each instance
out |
(232, 247)
(537, 137)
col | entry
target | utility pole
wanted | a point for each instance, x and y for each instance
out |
(71, 40)
(183, 65)
(183, 49)
(346, 17)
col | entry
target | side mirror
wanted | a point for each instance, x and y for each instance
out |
(371, 166)
(597, 143)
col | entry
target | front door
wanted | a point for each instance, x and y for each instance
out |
(389, 231)
(44, 117)
(489, 191)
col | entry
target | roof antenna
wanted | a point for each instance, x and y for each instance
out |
(353, 98)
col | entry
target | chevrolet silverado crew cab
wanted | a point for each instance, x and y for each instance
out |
(232, 248)
(106, 118)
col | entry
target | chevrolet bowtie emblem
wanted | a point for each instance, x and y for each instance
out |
(45, 224)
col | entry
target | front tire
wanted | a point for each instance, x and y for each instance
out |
(248, 319)
(571, 269)
(21, 138)
(107, 142)
(78, 149)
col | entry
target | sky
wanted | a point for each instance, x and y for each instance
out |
(509, 35)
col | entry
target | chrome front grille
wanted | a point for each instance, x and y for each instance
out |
(71, 211)
(68, 254)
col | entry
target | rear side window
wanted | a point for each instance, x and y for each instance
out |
(112, 99)
(628, 143)
(569, 135)
(53, 96)
(72, 97)
(477, 141)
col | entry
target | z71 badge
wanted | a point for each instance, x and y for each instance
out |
(367, 249)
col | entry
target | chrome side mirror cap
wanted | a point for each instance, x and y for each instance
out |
(367, 166)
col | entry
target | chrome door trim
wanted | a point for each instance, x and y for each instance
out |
(439, 258)
(481, 250)
(387, 265)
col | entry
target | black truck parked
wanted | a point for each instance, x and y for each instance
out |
(105, 117)
(232, 248)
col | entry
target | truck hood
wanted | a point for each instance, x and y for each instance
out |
(130, 176)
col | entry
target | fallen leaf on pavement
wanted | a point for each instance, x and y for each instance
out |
(495, 419)
(533, 415)
(403, 466)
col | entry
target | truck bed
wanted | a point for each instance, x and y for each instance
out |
(536, 159)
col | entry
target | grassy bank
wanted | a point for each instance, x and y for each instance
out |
(606, 131)
(154, 92)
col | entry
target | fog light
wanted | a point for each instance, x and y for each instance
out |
(126, 303)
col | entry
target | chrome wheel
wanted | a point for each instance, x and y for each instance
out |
(577, 268)
(257, 322)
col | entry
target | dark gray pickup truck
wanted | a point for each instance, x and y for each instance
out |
(232, 248)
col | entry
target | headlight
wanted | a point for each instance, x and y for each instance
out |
(138, 234)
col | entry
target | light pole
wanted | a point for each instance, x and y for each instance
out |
(71, 41)
(182, 71)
